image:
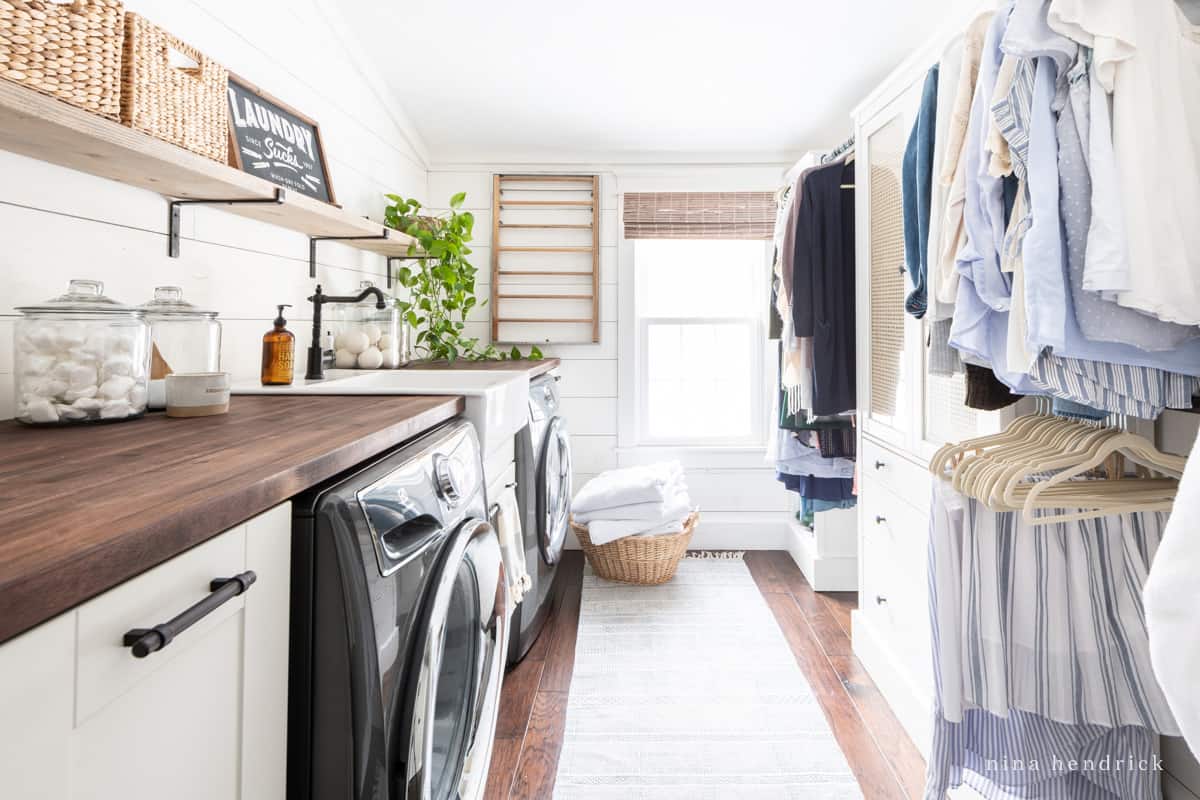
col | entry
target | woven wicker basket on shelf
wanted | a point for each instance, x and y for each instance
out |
(186, 106)
(649, 560)
(71, 51)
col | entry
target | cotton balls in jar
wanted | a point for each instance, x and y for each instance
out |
(75, 371)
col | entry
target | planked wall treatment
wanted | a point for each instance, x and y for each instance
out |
(742, 504)
(57, 224)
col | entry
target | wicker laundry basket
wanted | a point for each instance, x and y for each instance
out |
(648, 560)
(186, 106)
(71, 51)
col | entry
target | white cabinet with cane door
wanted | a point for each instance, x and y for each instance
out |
(904, 412)
(203, 716)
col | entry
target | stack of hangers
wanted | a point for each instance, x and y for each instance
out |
(1041, 541)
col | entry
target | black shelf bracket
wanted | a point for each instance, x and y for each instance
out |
(175, 206)
(312, 246)
(399, 258)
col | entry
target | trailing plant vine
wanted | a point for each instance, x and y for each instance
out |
(442, 285)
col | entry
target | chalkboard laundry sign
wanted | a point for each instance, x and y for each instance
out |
(276, 142)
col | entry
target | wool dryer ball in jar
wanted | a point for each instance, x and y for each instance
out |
(355, 342)
(373, 333)
(344, 359)
(371, 358)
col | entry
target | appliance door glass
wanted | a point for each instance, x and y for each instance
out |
(554, 490)
(457, 683)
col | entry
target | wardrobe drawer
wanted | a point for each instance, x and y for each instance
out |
(886, 514)
(876, 575)
(911, 481)
(895, 537)
(105, 668)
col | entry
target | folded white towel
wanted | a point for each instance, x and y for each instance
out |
(621, 487)
(640, 511)
(605, 531)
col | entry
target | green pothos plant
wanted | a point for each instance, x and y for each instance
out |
(442, 284)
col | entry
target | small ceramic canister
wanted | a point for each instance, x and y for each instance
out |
(197, 394)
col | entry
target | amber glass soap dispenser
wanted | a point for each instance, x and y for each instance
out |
(278, 351)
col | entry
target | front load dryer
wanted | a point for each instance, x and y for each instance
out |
(544, 500)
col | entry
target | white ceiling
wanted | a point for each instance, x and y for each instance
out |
(548, 80)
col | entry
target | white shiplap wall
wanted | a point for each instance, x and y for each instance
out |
(742, 504)
(57, 224)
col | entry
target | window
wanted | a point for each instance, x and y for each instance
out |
(700, 308)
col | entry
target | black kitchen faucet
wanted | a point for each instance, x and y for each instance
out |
(316, 369)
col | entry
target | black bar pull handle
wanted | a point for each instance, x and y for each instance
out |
(144, 641)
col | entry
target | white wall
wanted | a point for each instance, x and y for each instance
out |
(57, 224)
(742, 504)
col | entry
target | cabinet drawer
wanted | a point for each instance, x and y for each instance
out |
(910, 481)
(105, 668)
(895, 537)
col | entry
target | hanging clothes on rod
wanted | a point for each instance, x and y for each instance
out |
(1041, 651)
(1034, 231)
(1047, 578)
(815, 271)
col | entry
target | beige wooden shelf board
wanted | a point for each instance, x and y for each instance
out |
(47, 129)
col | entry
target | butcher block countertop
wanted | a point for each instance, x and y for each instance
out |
(85, 508)
(534, 367)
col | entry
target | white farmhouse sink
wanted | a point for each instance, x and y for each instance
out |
(497, 402)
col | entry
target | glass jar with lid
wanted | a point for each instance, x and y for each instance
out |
(183, 338)
(367, 337)
(81, 357)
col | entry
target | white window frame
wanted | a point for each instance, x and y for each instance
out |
(632, 431)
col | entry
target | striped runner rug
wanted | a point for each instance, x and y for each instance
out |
(689, 691)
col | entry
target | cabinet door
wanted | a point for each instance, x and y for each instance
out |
(888, 343)
(206, 716)
(37, 673)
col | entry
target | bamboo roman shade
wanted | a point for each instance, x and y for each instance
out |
(699, 215)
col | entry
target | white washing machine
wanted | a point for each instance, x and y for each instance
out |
(544, 499)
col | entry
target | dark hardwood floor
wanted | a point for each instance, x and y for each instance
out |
(817, 627)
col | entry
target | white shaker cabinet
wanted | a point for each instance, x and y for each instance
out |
(203, 717)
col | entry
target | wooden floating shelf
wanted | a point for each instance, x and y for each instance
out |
(577, 203)
(588, 320)
(49, 130)
(545, 249)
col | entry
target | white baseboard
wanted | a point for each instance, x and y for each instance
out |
(825, 573)
(731, 530)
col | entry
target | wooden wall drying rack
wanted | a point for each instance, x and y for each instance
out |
(527, 185)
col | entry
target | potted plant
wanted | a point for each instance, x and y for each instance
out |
(442, 285)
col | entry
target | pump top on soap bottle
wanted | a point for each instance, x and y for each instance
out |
(278, 352)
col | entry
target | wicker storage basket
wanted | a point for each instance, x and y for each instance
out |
(185, 106)
(70, 51)
(649, 560)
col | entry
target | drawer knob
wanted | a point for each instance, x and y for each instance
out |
(880, 464)
(880, 600)
(144, 641)
(879, 520)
